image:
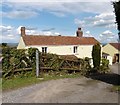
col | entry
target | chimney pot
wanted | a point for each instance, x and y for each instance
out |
(79, 32)
(22, 31)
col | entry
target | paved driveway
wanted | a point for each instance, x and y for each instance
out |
(78, 90)
(115, 68)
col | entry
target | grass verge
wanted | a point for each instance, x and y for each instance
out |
(18, 82)
(116, 88)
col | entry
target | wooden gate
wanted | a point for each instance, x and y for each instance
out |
(59, 62)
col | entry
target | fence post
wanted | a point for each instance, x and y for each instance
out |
(37, 63)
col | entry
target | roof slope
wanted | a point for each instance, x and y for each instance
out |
(58, 40)
(116, 45)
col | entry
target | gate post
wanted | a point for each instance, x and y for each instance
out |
(37, 63)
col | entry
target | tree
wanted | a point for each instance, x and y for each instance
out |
(96, 55)
(4, 44)
(116, 6)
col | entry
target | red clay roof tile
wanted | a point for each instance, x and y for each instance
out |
(116, 45)
(58, 40)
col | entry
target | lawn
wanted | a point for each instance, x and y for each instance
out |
(19, 82)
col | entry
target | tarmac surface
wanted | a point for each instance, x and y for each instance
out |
(70, 90)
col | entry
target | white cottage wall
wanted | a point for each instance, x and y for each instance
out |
(82, 50)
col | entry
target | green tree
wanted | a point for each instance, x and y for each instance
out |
(116, 6)
(4, 44)
(96, 55)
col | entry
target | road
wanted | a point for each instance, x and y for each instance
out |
(77, 90)
(115, 68)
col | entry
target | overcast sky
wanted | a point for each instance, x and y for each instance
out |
(97, 19)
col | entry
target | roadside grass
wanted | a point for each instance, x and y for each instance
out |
(19, 82)
(116, 88)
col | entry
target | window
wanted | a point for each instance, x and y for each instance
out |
(75, 49)
(44, 49)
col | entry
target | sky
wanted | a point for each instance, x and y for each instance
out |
(58, 17)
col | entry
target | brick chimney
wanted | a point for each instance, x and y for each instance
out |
(22, 31)
(79, 32)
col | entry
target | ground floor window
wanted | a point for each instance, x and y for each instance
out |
(44, 49)
(75, 48)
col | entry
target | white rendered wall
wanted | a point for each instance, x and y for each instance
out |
(83, 50)
(110, 60)
(21, 44)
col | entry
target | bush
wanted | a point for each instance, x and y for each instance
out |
(12, 59)
(104, 68)
(32, 53)
(105, 62)
(18, 59)
(85, 66)
(32, 57)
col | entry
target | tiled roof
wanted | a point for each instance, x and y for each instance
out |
(58, 40)
(116, 45)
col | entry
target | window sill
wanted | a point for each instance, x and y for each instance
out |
(76, 54)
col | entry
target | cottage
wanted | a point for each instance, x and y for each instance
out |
(113, 49)
(77, 45)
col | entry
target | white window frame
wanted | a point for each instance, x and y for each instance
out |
(44, 49)
(75, 49)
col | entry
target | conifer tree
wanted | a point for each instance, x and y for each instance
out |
(96, 55)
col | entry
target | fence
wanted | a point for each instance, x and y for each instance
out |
(45, 62)
(59, 62)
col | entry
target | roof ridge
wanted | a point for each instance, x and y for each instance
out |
(51, 35)
(56, 36)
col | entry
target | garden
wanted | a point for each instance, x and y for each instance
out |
(19, 66)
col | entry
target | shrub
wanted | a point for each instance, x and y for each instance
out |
(105, 62)
(85, 66)
(6, 51)
(18, 59)
(12, 59)
(32, 57)
(32, 53)
(104, 68)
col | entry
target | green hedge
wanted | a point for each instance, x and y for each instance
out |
(16, 59)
